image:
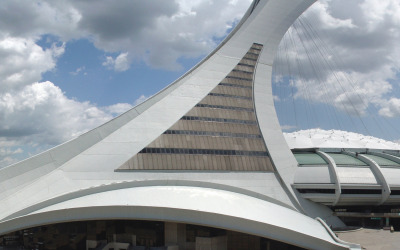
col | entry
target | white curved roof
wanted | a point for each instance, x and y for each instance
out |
(198, 205)
(319, 138)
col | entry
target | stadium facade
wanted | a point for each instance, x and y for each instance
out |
(203, 164)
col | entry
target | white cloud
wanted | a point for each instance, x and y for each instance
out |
(8, 151)
(120, 63)
(23, 61)
(390, 108)
(78, 70)
(349, 59)
(157, 32)
(118, 108)
(327, 20)
(40, 116)
(376, 11)
(43, 112)
(276, 98)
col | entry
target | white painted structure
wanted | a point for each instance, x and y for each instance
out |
(78, 180)
(318, 138)
(370, 171)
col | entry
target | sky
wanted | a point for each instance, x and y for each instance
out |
(68, 66)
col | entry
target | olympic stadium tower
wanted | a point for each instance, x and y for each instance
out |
(203, 164)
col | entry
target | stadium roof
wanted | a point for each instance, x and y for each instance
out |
(318, 138)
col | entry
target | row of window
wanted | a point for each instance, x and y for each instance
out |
(211, 133)
(242, 71)
(224, 107)
(245, 64)
(361, 191)
(343, 191)
(239, 78)
(251, 59)
(235, 85)
(211, 119)
(231, 96)
(201, 151)
(257, 45)
(251, 53)
(316, 191)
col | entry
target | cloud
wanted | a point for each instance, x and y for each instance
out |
(41, 110)
(23, 61)
(156, 32)
(120, 63)
(78, 70)
(45, 17)
(390, 108)
(159, 33)
(276, 98)
(118, 108)
(40, 116)
(349, 58)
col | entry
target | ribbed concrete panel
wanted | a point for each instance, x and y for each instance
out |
(213, 126)
(220, 133)
(208, 142)
(354, 175)
(200, 162)
(227, 101)
(313, 175)
(237, 92)
(219, 113)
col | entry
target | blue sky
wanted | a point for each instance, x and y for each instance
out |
(86, 78)
(68, 66)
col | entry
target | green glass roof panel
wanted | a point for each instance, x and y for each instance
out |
(309, 159)
(382, 161)
(343, 159)
(392, 152)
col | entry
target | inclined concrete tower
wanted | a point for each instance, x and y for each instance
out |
(208, 149)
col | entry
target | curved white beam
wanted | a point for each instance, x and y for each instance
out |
(195, 205)
(333, 172)
(281, 156)
(140, 184)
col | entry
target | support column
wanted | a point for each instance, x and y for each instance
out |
(333, 173)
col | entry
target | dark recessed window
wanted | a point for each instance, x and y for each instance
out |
(242, 71)
(235, 85)
(231, 96)
(211, 119)
(361, 191)
(202, 151)
(316, 191)
(240, 78)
